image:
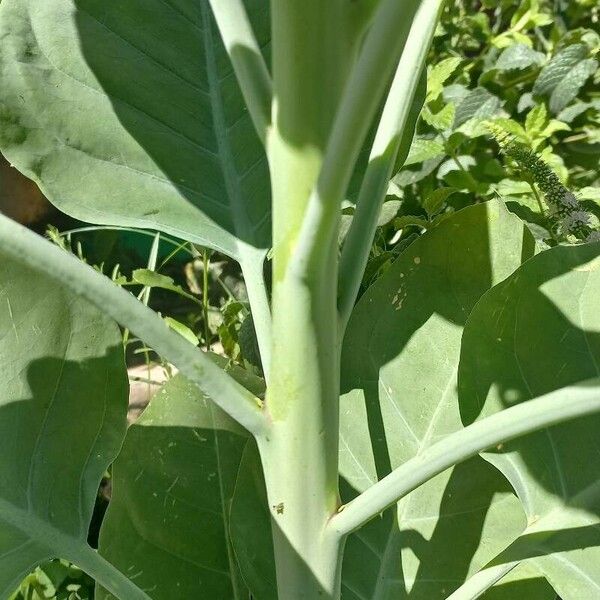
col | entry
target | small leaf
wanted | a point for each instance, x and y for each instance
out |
(569, 114)
(536, 119)
(152, 279)
(518, 56)
(441, 120)
(423, 149)
(512, 127)
(479, 103)
(410, 220)
(388, 211)
(182, 329)
(434, 201)
(589, 193)
(438, 75)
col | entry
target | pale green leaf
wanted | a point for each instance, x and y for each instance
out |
(512, 127)
(537, 332)
(182, 330)
(423, 149)
(568, 88)
(129, 114)
(167, 524)
(439, 74)
(152, 279)
(536, 119)
(63, 403)
(399, 365)
(441, 120)
(589, 193)
(564, 75)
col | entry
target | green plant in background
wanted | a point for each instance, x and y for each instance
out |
(531, 69)
(435, 438)
(56, 579)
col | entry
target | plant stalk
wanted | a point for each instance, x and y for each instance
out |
(545, 411)
(300, 449)
(384, 153)
(33, 251)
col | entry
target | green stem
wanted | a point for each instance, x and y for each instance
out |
(390, 133)
(205, 264)
(40, 255)
(147, 291)
(545, 411)
(538, 199)
(144, 295)
(259, 306)
(370, 77)
(482, 581)
(299, 453)
(247, 60)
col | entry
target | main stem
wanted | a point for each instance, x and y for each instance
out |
(300, 450)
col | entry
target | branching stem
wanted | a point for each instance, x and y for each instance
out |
(545, 411)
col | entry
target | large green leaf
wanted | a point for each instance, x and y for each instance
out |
(167, 526)
(534, 333)
(400, 361)
(63, 404)
(128, 113)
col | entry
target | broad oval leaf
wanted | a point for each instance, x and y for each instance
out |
(534, 333)
(128, 113)
(167, 526)
(63, 405)
(399, 365)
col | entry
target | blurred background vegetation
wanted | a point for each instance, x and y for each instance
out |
(526, 69)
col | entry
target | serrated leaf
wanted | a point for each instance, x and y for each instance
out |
(63, 407)
(518, 56)
(558, 68)
(536, 119)
(439, 74)
(441, 120)
(160, 137)
(568, 88)
(423, 149)
(479, 103)
(534, 333)
(512, 127)
(569, 114)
